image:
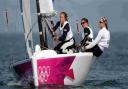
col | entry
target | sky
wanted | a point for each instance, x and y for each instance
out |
(116, 11)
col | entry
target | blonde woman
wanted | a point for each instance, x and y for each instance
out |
(101, 42)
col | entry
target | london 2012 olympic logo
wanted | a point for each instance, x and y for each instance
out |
(43, 73)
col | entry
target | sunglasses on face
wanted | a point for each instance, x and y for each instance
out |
(82, 23)
(101, 22)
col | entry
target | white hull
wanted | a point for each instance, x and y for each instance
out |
(64, 69)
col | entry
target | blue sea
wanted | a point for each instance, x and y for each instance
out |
(110, 71)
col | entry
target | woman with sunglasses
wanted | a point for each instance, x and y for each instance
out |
(66, 39)
(87, 32)
(102, 40)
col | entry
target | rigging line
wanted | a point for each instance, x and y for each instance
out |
(31, 31)
(49, 26)
(32, 28)
(46, 41)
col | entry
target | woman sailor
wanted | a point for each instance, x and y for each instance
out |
(102, 40)
(66, 39)
(87, 32)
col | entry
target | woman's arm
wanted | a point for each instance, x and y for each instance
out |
(56, 26)
(86, 33)
(96, 41)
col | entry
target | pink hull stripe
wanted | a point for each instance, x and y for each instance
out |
(54, 70)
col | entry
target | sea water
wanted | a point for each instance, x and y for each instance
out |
(110, 71)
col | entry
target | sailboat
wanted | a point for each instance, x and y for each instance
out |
(46, 66)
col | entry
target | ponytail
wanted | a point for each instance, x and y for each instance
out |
(105, 22)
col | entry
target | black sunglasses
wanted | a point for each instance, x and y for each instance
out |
(82, 23)
(101, 22)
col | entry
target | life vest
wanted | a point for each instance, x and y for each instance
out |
(90, 35)
(69, 34)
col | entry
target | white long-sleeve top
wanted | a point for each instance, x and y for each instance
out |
(102, 39)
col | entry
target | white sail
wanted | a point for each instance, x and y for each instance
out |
(46, 6)
(27, 26)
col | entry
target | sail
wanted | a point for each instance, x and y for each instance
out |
(26, 17)
(46, 6)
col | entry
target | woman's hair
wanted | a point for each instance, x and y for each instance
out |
(85, 19)
(105, 21)
(65, 15)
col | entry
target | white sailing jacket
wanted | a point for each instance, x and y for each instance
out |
(69, 34)
(90, 35)
(102, 39)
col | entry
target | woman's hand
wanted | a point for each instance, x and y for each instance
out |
(78, 45)
(56, 39)
(52, 30)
